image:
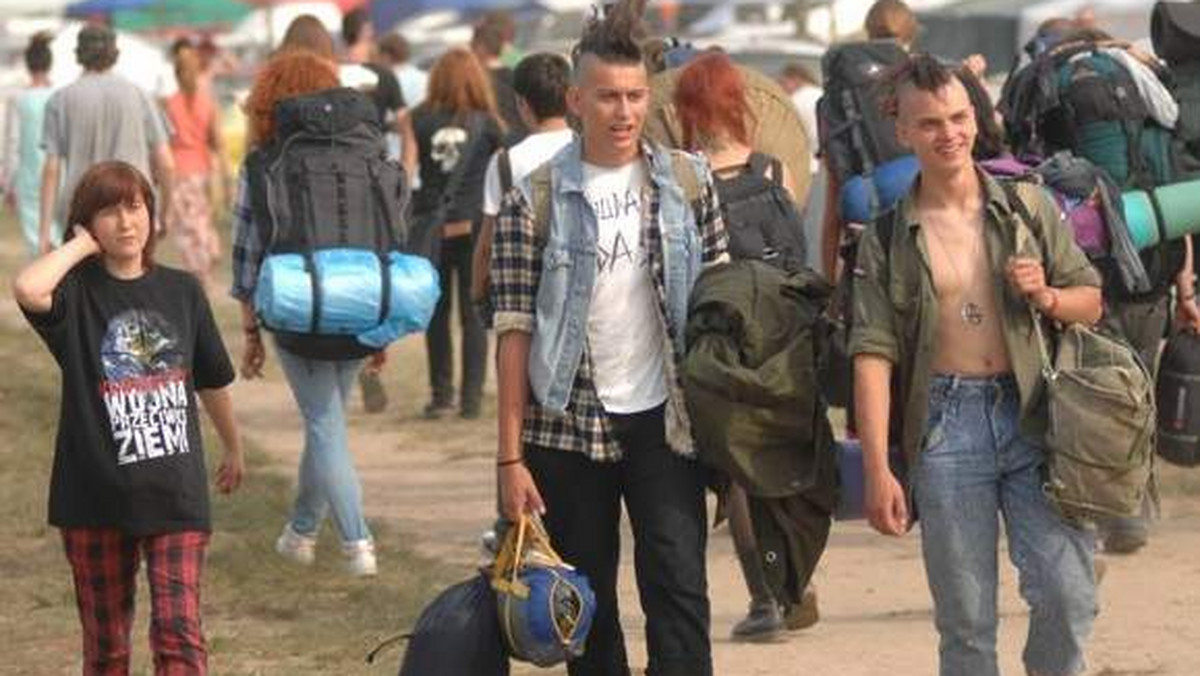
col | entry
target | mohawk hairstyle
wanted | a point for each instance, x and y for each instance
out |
(921, 71)
(613, 34)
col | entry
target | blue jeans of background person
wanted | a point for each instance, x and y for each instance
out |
(974, 468)
(664, 496)
(328, 481)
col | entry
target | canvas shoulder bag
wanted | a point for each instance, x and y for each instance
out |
(1100, 399)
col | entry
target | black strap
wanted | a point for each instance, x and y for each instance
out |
(504, 165)
(385, 240)
(776, 171)
(1016, 203)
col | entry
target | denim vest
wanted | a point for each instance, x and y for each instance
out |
(564, 291)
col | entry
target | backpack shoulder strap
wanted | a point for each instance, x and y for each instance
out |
(1012, 194)
(504, 166)
(777, 172)
(1019, 203)
(540, 186)
(885, 228)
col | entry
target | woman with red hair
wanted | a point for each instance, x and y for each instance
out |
(327, 482)
(457, 129)
(716, 120)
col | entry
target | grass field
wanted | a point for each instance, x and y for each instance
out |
(261, 614)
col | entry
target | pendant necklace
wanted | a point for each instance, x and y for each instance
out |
(970, 312)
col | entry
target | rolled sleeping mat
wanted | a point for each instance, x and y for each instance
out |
(351, 292)
(865, 197)
(1140, 219)
(1180, 207)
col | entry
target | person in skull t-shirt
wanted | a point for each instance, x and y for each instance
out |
(457, 130)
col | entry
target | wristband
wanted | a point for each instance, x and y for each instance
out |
(510, 462)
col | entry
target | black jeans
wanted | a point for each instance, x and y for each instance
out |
(664, 495)
(439, 346)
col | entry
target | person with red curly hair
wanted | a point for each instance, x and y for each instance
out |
(327, 482)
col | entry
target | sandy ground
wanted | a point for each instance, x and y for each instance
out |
(435, 482)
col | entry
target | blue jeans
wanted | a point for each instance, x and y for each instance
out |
(975, 465)
(328, 481)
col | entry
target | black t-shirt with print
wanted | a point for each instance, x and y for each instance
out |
(442, 142)
(132, 353)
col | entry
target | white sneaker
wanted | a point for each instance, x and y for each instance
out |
(360, 556)
(301, 549)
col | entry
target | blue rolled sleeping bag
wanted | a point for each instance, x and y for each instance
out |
(351, 294)
(865, 197)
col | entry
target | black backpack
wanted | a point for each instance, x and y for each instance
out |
(1178, 397)
(1175, 31)
(760, 216)
(1075, 96)
(325, 182)
(856, 135)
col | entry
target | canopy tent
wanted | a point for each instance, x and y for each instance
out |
(386, 13)
(998, 29)
(180, 13)
(88, 8)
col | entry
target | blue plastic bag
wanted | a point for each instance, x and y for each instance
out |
(351, 294)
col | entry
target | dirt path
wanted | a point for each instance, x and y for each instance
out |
(434, 480)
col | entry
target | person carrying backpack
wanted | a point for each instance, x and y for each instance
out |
(856, 138)
(763, 224)
(591, 282)
(1104, 101)
(320, 370)
(970, 386)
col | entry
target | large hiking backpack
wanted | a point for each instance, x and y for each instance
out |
(330, 208)
(1078, 96)
(1175, 31)
(857, 138)
(760, 217)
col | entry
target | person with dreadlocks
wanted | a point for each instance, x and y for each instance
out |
(594, 258)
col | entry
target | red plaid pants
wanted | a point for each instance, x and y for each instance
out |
(105, 565)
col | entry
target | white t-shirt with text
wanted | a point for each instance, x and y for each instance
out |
(625, 336)
(533, 151)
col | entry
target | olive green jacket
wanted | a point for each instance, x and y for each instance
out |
(896, 304)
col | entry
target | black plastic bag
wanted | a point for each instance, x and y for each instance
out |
(458, 634)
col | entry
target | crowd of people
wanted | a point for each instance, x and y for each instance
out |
(576, 240)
